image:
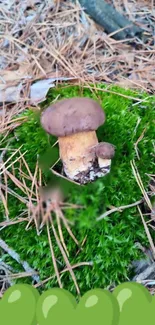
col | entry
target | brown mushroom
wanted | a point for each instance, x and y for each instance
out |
(74, 121)
(104, 151)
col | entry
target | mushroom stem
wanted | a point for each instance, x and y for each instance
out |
(75, 153)
(104, 162)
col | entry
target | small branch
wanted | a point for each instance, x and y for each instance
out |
(119, 209)
(110, 19)
(145, 274)
(17, 258)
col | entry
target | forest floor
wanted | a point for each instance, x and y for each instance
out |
(101, 234)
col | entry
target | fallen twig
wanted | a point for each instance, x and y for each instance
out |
(119, 209)
(17, 258)
(145, 274)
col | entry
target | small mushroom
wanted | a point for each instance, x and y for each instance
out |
(74, 121)
(104, 151)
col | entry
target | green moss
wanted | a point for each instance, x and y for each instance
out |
(110, 242)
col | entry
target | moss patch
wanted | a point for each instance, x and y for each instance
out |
(110, 242)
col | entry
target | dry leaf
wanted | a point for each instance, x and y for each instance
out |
(10, 94)
(15, 75)
(40, 89)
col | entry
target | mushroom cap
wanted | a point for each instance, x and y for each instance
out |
(104, 150)
(73, 115)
